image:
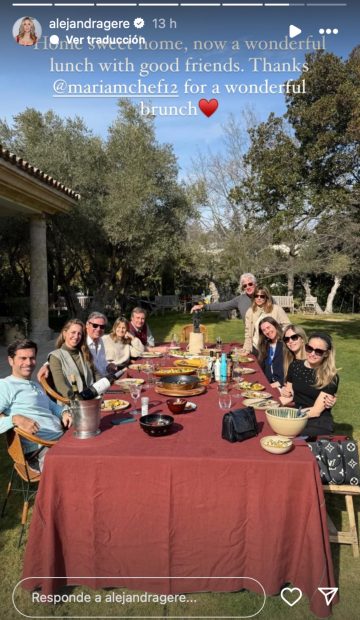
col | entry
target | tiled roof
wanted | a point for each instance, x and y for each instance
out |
(24, 165)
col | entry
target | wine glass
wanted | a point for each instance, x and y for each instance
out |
(135, 391)
(148, 370)
(218, 343)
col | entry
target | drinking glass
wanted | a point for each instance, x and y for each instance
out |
(237, 377)
(135, 391)
(218, 343)
(204, 374)
(224, 400)
(149, 368)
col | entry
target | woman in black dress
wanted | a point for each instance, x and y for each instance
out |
(311, 380)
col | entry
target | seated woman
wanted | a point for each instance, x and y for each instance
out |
(72, 358)
(310, 382)
(271, 351)
(295, 340)
(262, 306)
(120, 345)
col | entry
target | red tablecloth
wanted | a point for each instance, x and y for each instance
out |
(125, 504)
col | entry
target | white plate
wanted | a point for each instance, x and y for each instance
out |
(264, 404)
(130, 380)
(114, 404)
(149, 354)
(190, 406)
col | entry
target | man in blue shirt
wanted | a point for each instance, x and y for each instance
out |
(23, 402)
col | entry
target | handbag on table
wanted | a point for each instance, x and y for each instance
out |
(239, 425)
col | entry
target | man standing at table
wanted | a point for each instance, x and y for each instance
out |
(23, 403)
(139, 327)
(241, 303)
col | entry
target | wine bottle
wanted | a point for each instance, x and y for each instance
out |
(217, 367)
(74, 396)
(99, 387)
(229, 367)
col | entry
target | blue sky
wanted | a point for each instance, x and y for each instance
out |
(28, 82)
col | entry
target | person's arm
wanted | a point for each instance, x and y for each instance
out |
(58, 376)
(232, 304)
(150, 338)
(62, 412)
(281, 317)
(136, 346)
(247, 346)
(286, 394)
(322, 400)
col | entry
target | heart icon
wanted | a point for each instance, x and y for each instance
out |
(208, 107)
(286, 592)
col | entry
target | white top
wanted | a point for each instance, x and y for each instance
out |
(118, 352)
(98, 354)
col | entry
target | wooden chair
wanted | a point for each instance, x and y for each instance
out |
(48, 385)
(26, 474)
(350, 536)
(187, 329)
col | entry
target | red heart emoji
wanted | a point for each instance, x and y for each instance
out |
(208, 107)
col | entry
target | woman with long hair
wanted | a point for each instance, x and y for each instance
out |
(312, 380)
(295, 340)
(121, 345)
(271, 351)
(72, 358)
(27, 35)
(262, 306)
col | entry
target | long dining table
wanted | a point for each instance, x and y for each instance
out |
(184, 512)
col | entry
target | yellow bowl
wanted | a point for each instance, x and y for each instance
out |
(282, 421)
(275, 444)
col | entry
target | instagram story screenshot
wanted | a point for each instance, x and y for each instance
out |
(179, 219)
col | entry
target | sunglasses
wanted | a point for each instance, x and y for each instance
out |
(97, 325)
(248, 285)
(294, 338)
(318, 352)
(261, 296)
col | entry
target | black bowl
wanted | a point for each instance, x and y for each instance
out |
(156, 423)
(180, 382)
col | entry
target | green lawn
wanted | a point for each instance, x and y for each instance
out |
(345, 330)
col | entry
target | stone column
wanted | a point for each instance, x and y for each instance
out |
(39, 305)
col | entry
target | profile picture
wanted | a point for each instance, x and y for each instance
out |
(26, 31)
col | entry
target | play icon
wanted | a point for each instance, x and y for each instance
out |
(294, 31)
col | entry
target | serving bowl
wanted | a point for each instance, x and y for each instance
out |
(276, 444)
(180, 382)
(286, 421)
(176, 405)
(156, 423)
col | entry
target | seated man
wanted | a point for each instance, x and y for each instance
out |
(139, 328)
(23, 403)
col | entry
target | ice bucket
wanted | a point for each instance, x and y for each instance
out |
(86, 418)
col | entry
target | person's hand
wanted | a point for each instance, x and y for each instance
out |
(286, 392)
(26, 424)
(196, 308)
(111, 367)
(329, 401)
(129, 336)
(43, 372)
(66, 418)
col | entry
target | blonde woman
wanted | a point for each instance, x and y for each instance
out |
(295, 340)
(120, 345)
(72, 357)
(310, 381)
(262, 306)
(26, 34)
